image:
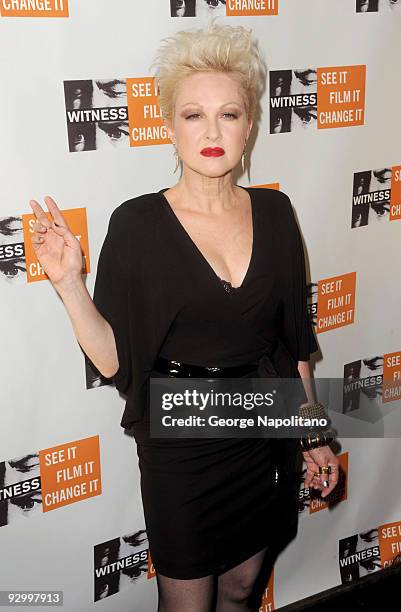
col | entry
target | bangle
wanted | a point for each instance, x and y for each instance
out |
(313, 410)
(317, 439)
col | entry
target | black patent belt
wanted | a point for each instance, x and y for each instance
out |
(177, 368)
(172, 367)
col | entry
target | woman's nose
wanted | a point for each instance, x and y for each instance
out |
(213, 130)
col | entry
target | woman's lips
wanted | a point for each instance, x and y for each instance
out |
(212, 152)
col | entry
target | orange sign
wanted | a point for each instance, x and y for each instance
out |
(151, 567)
(70, 473)
(336, 302)
(76, 219)
(144, 114)
(34, 8)
(390, 543)
(268, 186)
(251, 7)
(341, 96)
(267, 604)
(395, 200)
(391, 377)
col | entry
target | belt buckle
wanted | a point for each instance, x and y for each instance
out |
(212, 370)
(174, 368)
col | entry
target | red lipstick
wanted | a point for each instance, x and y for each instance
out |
(212, 152)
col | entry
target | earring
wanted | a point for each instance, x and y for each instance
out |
(243, 160)
(177, 160)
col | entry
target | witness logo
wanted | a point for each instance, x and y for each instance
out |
(331, 302)
(376, 196)
(47, 480)
(17, 257)
(369, 551)
(311, 498)
(373, 6)
(319, 98)
(34, 8)
(12, 249)
(208, 8)
(113, 113)
(121, 562)
(76, 219)
(363, 383)
(372, 381)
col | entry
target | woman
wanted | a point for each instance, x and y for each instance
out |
(203, 274)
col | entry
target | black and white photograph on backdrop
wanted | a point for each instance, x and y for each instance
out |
(293, 100)
(197, 8)
(371, 197)
(20, 489)
(97, 114)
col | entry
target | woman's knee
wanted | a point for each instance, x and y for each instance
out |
(238, 589)
(181, 595)
(237, 584)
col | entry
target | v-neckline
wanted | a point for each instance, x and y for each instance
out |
(201, 255)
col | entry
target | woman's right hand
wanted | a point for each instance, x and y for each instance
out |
(57, 249)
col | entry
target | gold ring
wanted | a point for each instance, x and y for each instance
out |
(324, 469)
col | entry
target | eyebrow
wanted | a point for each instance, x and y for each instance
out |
(197, 104)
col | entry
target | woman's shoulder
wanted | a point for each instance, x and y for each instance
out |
(135, 214)
(273, 201)
(138, 206)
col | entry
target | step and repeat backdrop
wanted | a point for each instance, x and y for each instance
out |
(80, 121)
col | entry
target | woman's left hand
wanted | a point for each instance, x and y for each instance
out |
(321, 456)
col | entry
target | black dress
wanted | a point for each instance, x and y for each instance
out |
(209, 504)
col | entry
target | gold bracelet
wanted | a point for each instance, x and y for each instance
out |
(317, 439)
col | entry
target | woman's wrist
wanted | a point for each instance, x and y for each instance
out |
(317, 435)
(71, 286)
(317, 439)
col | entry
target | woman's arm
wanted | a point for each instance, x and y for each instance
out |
(60, 255)
(322, 456)
(306, 375)
(94, 334)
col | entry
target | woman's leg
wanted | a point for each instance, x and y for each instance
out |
(195, 595)
(235, 586)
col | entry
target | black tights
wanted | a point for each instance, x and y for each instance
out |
(228, 592)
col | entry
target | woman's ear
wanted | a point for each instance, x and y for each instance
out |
(170, 131)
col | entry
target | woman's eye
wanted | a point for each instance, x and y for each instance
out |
(229, 115)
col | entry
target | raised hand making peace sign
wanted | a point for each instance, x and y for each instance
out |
(57, 249)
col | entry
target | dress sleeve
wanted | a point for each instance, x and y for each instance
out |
(296, 323)
(110, 296)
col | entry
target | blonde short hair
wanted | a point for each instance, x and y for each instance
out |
(217, 48)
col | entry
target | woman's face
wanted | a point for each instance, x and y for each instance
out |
(209, 113)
